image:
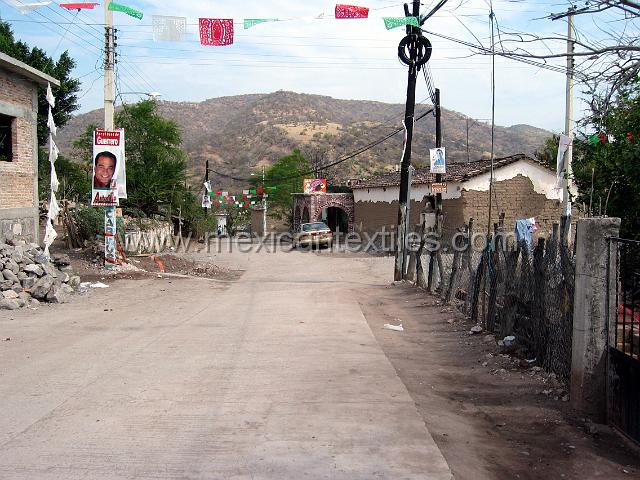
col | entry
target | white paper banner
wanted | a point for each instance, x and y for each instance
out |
(169, 29)
(51, 124)
(565, 141)
(51, 100)
(55, 184)
(49, 236)
(28, 7)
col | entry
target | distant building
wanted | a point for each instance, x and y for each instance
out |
(19, 148)
(523, 188)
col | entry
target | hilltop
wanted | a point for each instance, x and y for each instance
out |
(236, 133)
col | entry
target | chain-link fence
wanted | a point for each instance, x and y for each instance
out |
(509, 288)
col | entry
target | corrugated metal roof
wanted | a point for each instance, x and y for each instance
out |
(456, 172)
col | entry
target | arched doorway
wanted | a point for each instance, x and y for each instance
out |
(336, 218)
(305, 215)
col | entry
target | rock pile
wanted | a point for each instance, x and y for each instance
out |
(28, 277)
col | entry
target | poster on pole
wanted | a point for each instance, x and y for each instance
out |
(438, 160)
(109, 175)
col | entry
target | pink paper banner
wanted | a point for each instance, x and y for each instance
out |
(216, 32)
(351, 11)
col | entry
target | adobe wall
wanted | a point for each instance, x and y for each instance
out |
(515, 197)
(19, 192)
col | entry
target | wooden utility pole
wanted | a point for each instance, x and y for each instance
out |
(438, 180)
(409, 119)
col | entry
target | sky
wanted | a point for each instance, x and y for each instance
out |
(309, 51)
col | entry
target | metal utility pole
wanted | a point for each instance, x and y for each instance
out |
(109, 64)
(410, 42)
(568, 124)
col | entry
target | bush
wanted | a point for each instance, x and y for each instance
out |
(90, 222)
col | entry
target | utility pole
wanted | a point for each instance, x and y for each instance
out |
(409, 118)
(109, 64)
(264, 206)
(432, 258)
(109, 116)
(468, 156)
(568, 124)
(206, 179)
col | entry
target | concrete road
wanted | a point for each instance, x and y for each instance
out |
(277, 376)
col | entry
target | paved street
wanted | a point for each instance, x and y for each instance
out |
(276, 376)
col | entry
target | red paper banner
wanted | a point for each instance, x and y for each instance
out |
(78, 6)
(351, 11)
(216, 31)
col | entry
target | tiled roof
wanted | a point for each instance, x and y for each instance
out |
(456, 172)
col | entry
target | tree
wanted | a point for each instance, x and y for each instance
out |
(74, 181)
(607, 56)
(612, 160)
(156, 165)
(548, 152)
(65, 94)
(281, 180)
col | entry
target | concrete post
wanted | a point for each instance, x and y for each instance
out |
(258, 222)
(590, 335)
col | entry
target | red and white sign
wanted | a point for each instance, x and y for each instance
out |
(315, 185)
(109, 173)
(439, 187)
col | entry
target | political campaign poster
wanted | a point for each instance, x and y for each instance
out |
(315, 185)
(109, 173)
(438, 160)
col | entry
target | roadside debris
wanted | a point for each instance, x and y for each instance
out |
(475, 330)
(28, 277)
(396, 328)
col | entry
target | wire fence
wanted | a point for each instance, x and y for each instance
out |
(509, 288)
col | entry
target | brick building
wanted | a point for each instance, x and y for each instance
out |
(19, 148)
(523, 188)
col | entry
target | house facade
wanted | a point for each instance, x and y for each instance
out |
(19, 84)
(522, 188)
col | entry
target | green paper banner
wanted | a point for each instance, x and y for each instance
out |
(132, 12)
(395, 22)
(252, 22)
(594, 140)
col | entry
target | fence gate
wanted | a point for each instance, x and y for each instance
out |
(624, 336)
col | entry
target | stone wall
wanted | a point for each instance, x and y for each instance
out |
(18, 196)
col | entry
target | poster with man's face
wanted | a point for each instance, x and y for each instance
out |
(438, 160)
(109, 181)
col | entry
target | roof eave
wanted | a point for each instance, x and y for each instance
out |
(16, 66)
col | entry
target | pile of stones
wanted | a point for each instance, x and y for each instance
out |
(28, 277)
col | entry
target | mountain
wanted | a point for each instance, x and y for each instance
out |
(240, 134)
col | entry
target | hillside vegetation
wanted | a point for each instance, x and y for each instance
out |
(238, 133)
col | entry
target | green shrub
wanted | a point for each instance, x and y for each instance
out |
(90, 222)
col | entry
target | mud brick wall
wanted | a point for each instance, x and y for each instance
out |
(18, 177)
(515, 197)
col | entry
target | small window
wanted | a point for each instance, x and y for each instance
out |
(6, 138)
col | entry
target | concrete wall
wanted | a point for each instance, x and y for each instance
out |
(19, 193)
(590, 331)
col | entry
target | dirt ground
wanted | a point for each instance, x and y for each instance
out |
(88, 265)
(488, 413)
